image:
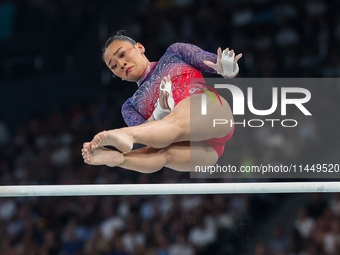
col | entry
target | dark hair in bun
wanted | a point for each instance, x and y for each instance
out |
(119, 36)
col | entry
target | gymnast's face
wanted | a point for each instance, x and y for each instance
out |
(125, 60)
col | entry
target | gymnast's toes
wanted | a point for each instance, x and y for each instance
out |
(97, 140)
(87, 145)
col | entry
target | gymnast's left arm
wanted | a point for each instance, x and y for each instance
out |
(224, 63)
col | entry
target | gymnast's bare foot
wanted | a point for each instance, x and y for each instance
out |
(101, 156)
(116, 138)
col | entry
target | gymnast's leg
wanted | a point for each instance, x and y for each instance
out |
(177, 156)
(173, 128)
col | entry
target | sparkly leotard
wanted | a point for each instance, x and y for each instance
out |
(183, 62)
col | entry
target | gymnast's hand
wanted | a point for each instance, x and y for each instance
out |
(163, 94)
(226, 63)
(165, 103)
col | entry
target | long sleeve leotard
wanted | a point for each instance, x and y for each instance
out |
(184, 63)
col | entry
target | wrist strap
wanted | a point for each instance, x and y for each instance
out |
(159, 113)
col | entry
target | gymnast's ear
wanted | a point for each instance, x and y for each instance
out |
(140, 47)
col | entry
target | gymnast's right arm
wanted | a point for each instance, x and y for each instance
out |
(131, 116)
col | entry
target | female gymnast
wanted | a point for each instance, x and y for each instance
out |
(181, 135)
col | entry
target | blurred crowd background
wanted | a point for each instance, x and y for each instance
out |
(56, 93)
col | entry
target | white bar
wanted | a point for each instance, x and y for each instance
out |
(168, 189)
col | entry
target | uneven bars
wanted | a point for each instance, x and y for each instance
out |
(167, 189)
